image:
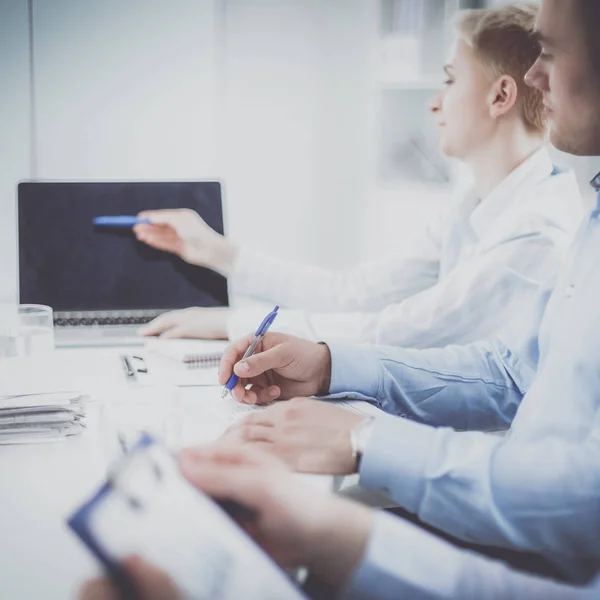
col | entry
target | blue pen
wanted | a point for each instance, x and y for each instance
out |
(258, 336)
(120, 221)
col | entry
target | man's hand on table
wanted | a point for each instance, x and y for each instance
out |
(311, 436)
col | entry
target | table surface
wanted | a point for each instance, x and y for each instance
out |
(42, 484)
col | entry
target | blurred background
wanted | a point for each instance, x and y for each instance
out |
(313, 113)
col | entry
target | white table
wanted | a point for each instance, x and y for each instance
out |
(41, 484)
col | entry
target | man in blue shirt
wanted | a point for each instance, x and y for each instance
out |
(536, 489)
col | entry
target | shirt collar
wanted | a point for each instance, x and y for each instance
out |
(484, 214)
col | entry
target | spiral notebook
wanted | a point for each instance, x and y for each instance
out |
(193, 354)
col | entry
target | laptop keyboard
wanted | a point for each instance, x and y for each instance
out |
(91, 321)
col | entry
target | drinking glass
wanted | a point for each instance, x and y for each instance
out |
(35, 329)
(26, 330)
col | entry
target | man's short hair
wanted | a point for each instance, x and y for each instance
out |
(589, 14)
(503, 41)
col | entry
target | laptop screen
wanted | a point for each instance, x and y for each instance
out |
(71, 265)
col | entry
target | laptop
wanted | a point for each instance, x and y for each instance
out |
(100, 281)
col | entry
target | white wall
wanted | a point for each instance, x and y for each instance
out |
(124, 89)
(269, 95)
(293, 125)
(14, 132)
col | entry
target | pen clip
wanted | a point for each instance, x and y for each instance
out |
(264, 326)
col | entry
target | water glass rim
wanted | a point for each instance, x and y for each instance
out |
(40, 307)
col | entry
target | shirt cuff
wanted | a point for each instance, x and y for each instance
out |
(354, 369)
(344, 328)
(396, 457)
(248, 276)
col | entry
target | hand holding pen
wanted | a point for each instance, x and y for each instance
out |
(278, 367)
(257, 338)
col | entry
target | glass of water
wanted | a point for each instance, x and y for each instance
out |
(33, 330)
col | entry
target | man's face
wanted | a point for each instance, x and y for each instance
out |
(564, 74)
(461, 108)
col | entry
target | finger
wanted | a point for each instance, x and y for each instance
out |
(159, 242)
(152, 583)
(231, 355)
(200, 456)
(274, 358)
(265, 395)
(269, 417)
(242, 483)
(98, 589)
(243, 395)
(142, 229)
(212, 453)
(159, 217)
(256, 394)
(160, 324)
(176, 332)
(258, 433)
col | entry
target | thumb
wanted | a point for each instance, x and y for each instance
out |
(257, 364)
(159, 325)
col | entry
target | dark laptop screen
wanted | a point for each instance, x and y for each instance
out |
(71, 265)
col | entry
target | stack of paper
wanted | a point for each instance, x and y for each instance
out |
(41, 417)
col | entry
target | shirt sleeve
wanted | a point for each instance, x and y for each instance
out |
(405, 561)
(537, 496)
(368, 287)
(464, 387)
(476, 386)
(471, 303)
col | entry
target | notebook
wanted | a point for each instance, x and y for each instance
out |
(193, 354)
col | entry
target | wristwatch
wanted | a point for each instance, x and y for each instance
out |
(359, 438)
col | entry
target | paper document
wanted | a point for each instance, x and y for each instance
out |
(41, 417)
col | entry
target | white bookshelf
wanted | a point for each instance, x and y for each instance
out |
(409, 178)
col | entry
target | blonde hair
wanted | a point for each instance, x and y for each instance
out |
(503, 41)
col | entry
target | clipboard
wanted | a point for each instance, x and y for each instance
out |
(147, 508)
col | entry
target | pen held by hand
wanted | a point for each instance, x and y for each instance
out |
(258, 336)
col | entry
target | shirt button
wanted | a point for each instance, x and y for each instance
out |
(570, 291)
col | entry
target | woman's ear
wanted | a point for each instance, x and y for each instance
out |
(503, 96)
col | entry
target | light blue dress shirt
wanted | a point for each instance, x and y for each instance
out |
(404, 561)
(537, 488)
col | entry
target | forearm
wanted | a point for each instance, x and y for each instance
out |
(339, 542)
(404, 561)
(369, 287)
